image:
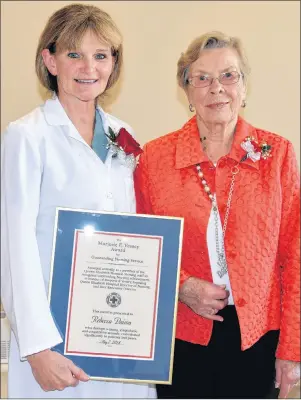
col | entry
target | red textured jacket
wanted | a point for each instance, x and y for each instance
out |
(262, 241)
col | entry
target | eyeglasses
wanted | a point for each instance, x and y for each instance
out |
(226, 78)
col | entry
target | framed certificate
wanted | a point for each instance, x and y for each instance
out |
(114, 291)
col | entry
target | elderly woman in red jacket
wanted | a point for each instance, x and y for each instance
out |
(237, 187)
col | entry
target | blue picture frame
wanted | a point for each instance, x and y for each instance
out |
(158, 368)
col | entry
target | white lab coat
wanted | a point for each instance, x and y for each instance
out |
(45, 164)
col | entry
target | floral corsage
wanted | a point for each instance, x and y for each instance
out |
(124, 146)
(254, 150)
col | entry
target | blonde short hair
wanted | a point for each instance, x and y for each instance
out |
(64, 31)
(210, 40)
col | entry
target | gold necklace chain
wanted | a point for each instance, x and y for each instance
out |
(222, 263)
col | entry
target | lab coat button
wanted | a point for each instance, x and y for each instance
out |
(109, 195)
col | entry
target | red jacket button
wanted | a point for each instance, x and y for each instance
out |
(241, 302)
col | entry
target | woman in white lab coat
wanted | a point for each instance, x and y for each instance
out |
(57, 155)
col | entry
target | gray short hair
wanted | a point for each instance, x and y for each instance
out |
(210, 40)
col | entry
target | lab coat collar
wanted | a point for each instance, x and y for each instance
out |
(56, 115)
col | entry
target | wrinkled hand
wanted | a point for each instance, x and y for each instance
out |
(53, 371)
(203, 297)
(287, 375)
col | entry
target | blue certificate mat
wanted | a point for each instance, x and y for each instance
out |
(113, 293)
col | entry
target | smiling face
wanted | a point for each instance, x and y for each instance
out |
(83, 73)
(216, 103)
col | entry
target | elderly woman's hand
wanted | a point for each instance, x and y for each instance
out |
(287, 375)
(203, 297)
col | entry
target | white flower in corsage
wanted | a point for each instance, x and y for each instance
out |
(254, 150)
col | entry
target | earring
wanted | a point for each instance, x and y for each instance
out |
(244, 103)
(191, 109)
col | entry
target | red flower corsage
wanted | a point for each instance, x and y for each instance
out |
(124, 141)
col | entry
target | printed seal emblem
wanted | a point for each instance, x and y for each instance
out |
(113, 300)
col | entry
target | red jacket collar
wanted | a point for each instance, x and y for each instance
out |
(189, 150)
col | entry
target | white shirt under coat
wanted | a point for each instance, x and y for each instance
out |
(211, 243)
(213, 257)
(45, 164)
